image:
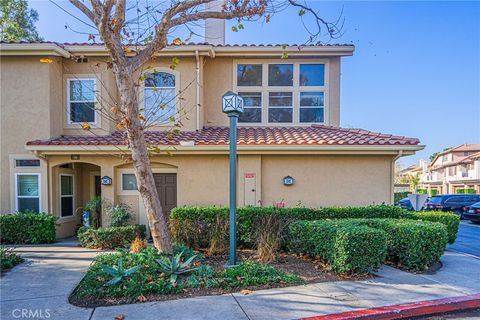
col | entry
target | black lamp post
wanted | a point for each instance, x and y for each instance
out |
(232, 105)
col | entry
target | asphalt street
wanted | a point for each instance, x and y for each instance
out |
(468, 240)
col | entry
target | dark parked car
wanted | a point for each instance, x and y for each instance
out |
(405, 204)
(452, 202)
(472, 213)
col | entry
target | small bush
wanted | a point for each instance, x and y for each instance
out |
(138, 244)
(111, 237)
(120, 214)
(27, 228)
(415, 245)
(8, 258)
(270, 233)
(218, 236)
(466, 191)
(450, 220)
(346, 245)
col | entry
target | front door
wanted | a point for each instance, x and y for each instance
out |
(166, 184)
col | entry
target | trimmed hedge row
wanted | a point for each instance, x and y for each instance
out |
(450, 220)
(415, 245)
(193, 225)
(111, 237)
(359, 245)
(27, 228)
(346, 245)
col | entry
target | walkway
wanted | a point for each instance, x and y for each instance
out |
(46, 280)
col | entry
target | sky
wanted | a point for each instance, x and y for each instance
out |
(415, 71)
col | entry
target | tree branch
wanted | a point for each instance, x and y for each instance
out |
(84, 9)
(119, 15)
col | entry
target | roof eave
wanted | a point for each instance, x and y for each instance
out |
(33, 49)
(242, 149)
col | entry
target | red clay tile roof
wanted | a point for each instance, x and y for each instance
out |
(312, 135)
(62, 44)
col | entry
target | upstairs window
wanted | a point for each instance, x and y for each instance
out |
(249, 75)
(282, 92)
(160, 98)
(81, 100)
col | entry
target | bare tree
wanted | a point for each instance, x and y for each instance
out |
(130, 49)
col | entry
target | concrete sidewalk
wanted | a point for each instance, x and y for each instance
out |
(46, 281)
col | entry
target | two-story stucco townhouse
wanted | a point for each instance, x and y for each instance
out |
(290, 128)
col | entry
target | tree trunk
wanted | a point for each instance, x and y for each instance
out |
(141, 161)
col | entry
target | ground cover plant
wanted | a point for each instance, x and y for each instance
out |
(8, 258)
(124, 277)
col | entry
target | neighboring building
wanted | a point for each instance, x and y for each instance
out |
(290, 128)
(454, 170)
(404, 178)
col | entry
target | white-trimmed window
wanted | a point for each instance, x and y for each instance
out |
(252, 103)
(280, 107)
(67, 201)
(282, 93)
(27, 163)
(81, 101)
(27, 192)
(129, 182)
(312, 106)
(160, 97)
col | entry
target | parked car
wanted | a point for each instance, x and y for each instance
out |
(452, 202)
(405, 204)
(472, 213)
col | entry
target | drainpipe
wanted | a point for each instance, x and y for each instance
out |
(197, 98)
(392, 196)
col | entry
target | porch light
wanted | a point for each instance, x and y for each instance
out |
(232, 105)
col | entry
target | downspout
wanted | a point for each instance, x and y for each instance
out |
(197, 98)
(392, 188)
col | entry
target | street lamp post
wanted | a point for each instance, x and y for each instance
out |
(232, 105)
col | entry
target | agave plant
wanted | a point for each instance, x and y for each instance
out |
(118, 273)
(175, 267)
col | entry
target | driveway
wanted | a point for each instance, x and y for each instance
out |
(468, 239)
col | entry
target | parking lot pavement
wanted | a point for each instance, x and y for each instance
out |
(468, 239)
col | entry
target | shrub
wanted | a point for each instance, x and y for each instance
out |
(192, 225)
(27, 228)
(346, 245)
(450, 220)
(138, 244)
(397, 196)
(8, 258)
(466, 191)
(218, 235)
(269, 234)
(120, 214)
(415, 245)
(111, 237)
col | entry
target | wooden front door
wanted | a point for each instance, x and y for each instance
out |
(166, 184)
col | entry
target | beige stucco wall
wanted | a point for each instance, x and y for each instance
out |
(202, 180)
(24, 113)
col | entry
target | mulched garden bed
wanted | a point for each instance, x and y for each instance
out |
(310, 271)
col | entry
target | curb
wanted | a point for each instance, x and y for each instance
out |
(402, 311)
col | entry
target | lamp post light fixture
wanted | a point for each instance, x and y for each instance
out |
(232, 105)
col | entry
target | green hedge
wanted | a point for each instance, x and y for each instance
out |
(450, 220)
(466, 191)
(111, 237)
(415, 245)
(192, 225)
(346, 245)
(27, 228)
